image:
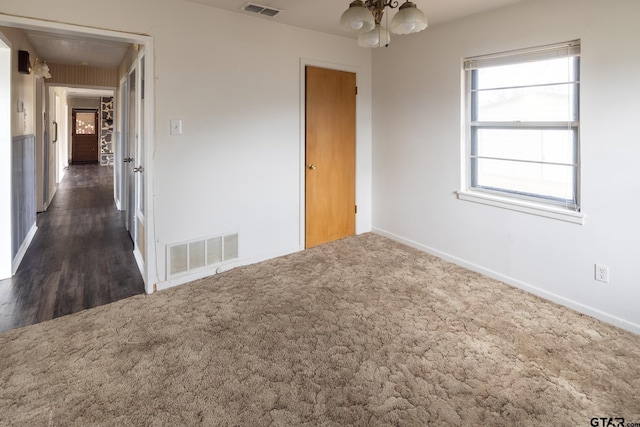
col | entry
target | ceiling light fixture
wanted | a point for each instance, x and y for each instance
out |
(41, 68)
(365, 19)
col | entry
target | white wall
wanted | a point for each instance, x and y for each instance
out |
(241, 121)
(5, 157)
(22, 85)
(234, 80)
(417, 155)
(21, 88)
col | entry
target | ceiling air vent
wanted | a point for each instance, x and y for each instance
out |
(260, 10)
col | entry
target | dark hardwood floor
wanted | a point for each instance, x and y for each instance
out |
(80, 257)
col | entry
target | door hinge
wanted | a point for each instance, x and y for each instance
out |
(356, 90)
(356, 208)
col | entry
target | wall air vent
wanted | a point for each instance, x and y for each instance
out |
(260, 10)
(199, 254)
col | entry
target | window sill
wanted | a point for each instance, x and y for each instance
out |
(522, 206)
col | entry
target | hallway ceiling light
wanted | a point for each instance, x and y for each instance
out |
(40, 68)
(365, 19)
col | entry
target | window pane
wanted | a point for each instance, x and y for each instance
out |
(550, 181)
(85, 123)
(538, 145)
(523, 123)
(540, 103)
(560, 70)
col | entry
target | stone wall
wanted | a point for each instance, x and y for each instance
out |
(106, 131)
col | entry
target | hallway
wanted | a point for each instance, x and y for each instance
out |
(80, 257)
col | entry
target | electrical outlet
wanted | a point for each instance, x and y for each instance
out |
(602, 273)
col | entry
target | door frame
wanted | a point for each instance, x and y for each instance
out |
(149, 271)
(304, 62)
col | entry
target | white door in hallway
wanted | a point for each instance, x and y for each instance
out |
(133, 158)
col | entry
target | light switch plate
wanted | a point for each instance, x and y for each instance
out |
(176, 126)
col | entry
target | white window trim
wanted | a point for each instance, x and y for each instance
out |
(524, 206)
(497, 200)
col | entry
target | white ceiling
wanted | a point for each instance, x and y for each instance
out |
(316, 15)
(74, 50)
(75, 92)
(323, 15)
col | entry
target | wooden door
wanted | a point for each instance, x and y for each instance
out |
(84, 139)
(330, 155)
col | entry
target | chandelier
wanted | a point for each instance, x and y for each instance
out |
(365, 19)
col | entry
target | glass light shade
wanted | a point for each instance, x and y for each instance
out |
(409, 19)
(41, 69)
(357, 18)
(377, 37)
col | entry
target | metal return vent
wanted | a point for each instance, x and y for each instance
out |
(197, 254)
(261, 10)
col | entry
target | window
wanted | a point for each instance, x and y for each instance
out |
(522, 125)
(86, 123)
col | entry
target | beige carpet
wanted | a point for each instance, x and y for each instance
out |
(362, 331)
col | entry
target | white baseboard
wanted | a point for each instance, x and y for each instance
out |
(23, 248)
(579, 307)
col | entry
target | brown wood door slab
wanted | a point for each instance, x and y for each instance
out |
(330, 155)
(84, 137)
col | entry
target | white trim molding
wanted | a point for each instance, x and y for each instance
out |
(522, 206)
(574, 305)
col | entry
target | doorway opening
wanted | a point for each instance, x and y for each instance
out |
(144, 44)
